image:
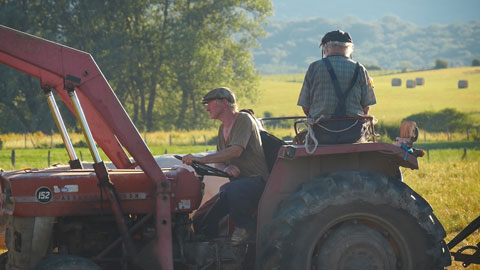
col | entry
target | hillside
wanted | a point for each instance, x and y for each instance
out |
(280, 93)
(389, 42)
(417, 12)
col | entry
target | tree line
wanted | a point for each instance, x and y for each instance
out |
(388, 43)
(447, 120)
(160, 56)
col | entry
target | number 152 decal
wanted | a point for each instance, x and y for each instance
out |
(44, 195)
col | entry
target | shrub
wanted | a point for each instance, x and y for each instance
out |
(445, 120)
(269, 124)
(440, 63)
(372, 67)
(476, 62)
(389, 131)
(81, 144)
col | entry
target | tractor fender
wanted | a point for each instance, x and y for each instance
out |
(295, 166)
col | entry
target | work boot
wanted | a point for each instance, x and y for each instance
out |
(239, 236)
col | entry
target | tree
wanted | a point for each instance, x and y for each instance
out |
(476, 62)
(160, 56)
(206, 54)
(440, 63)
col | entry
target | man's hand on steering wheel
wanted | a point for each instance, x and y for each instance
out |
(189, 159)
(200, 168)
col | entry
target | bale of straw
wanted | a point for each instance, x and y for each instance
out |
(396, 82)
(463, 84)
(420, 81)
(411, 84)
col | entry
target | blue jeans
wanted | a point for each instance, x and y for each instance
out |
(238, 198)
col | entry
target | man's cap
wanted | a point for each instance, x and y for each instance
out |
(337, 35)
(219, 93)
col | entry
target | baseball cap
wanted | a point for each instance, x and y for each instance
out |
(337, 35)
(219, 93)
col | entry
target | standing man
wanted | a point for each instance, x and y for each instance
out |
(240, 154)
(336, 87)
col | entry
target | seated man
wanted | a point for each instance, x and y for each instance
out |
(239, 150)
(336, 87)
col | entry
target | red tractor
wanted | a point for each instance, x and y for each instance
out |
(341, 207)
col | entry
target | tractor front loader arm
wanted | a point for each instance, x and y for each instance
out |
(64, 69)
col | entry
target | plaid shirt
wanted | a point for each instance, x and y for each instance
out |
(318, 92)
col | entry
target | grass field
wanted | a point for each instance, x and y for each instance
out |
(446, 179)
(452, 188)
(449, 176)
(280, 93)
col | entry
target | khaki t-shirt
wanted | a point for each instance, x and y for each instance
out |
(245, 134)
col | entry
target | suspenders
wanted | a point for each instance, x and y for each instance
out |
(341, 108)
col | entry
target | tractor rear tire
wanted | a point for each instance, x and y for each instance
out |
(353, 220)
(66, 262)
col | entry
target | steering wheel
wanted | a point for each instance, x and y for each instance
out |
(203, 169)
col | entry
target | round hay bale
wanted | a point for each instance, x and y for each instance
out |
(411, 84)
(396, 82)
(420, 81)
(463, 84)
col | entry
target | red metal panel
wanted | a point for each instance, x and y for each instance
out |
(76, 193)
(411, 161)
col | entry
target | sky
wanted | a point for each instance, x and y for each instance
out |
(420, 12)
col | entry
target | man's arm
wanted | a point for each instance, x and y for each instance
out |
(304, 98)
(221, 156)
(365, 110)
(218, 158)
(306, 110)
(367, 95)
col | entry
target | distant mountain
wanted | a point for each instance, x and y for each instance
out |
(390, 43)
(423, 13)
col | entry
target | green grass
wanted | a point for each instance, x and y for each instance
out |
(279, 94)
(452, 188)
(448, 179)
(38, 158)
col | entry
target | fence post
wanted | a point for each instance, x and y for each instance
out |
(48, 158)
(13, 158)
(428, 154)
(170, 139)
(194, 141)
(33, 143)
(81, 156)
(464, 154)
(205, 139)
(25, 140)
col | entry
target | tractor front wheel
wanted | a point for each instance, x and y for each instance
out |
(353, 220)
